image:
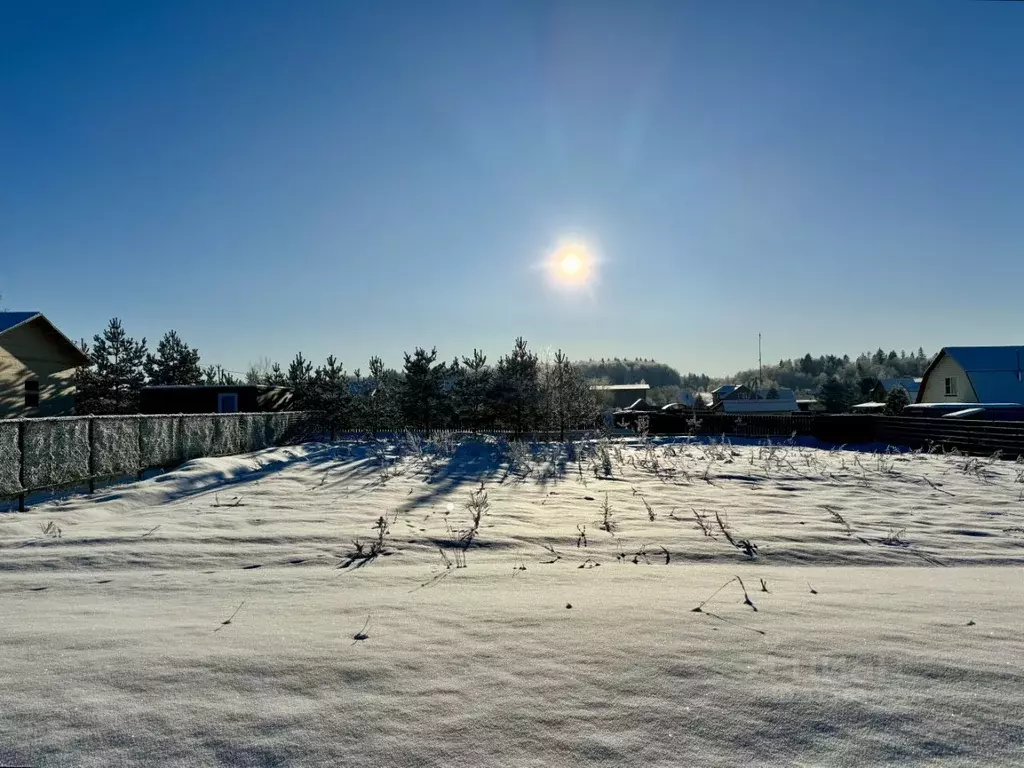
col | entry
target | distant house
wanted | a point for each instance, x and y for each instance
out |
(739, 398)
(974, 375)
(730, 392)
(37, 366)
(219, 398)
(763, 401)
(885, 386)
(621, 395)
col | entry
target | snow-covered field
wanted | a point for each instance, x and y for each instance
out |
(223, 613)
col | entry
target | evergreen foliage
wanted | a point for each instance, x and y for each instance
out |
(897, 399)
(516, 390)
(175, 362)
(422, 393)
(113, 382)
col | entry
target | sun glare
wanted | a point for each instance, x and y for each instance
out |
(571, 265)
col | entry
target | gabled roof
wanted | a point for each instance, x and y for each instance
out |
(995, 373)
(11, 320)
(641, 405)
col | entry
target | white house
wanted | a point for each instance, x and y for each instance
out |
(974, 375)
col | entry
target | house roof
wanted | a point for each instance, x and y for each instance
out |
(909, 383)
(11, 320)
(641, 405)
(194, 387)
(725, 389)
(780, 394)
(868, 407)
(995, 373)
(643, 385)
(758, 406)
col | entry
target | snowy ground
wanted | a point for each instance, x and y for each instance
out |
(890, 631)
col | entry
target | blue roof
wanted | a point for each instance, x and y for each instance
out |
(987, 358)
(995, 372)
(909, 383)
(10, 319)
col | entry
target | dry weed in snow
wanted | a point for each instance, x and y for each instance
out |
(891, 631)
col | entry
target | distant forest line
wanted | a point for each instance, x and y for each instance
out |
(807, 375)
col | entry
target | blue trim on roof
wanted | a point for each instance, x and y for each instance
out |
(10, 319)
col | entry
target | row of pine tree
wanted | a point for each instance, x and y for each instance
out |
(520, 392)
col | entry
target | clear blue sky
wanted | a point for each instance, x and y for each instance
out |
(360, 178)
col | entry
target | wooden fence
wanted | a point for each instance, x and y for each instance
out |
(966, 435)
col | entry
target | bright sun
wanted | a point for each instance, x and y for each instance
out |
(571, 265)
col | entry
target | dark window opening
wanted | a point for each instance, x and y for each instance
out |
(31, 394)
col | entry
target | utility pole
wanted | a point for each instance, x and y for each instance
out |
(760, 368)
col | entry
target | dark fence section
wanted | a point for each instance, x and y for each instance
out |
(968, 436)
(46, 454)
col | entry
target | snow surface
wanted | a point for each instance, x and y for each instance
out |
(891, 630)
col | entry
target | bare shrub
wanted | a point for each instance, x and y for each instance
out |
(365, 551)
(704, 523)
(747, 546)
(650, 511)
(606, 523)
(895, 538)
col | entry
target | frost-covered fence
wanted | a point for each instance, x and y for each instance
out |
(41, 454)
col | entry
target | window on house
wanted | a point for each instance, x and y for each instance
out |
(951, 387)
(31, 394)
(227, 402)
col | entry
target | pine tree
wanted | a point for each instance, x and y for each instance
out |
(516, 389)
(574, 404)
(835, 396)
(87, 391)
(897, 399)
(299, 378)
(470, 393)
(276, 377)
(175, 362)
(217, 375)
(422, 394)
(380, 400)
(328, 394)
(118, 376)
